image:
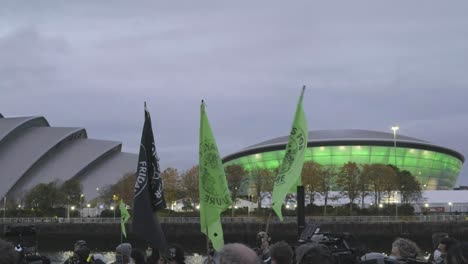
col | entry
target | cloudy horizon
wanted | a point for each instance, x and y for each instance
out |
(367, 65)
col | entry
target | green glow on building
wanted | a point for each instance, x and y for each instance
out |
(438, 171)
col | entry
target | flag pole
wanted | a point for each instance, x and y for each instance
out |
(268, 221)
(206, 225)
(300, 196)
(121, 236)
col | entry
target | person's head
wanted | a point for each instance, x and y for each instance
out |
(138, 256)
(7, 253)
(123, 253)
(175, 255)
(81, 250)
(281, 253)
(436, 237)
(263, 240)
(445, 244)
(403, 248)
(457, 254)
(152, 255)
(237, 254)
(313, 254)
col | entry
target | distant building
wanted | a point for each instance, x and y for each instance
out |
(435, 167)
(32, 152)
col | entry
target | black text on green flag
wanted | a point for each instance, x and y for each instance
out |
(214, 193)
(289, 174)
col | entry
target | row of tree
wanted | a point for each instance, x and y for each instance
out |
(46, 197)
(355, 182)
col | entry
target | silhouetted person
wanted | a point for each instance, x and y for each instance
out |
(237, 253)
(436, 255)
(444, 246)
(457, 254)
(80, 253)
(263, 246)
(138, 256)
(281, 253)
(175, 255)
(403, 248)
(123, 254)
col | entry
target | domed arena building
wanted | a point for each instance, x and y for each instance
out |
(32, 152)
(435, 167)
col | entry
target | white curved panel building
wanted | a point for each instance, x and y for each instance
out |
(32, 152)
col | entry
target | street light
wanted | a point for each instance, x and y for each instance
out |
(88, 205)
(113, 209)
(426, 205)
(450, 206)
(81, 204)
(395, 129)
(73, 208)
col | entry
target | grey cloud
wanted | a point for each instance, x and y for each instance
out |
(367, 65)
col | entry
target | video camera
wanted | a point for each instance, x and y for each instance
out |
(345, 248)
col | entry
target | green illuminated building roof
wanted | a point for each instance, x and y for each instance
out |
(435, 167)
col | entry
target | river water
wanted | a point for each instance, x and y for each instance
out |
(61, 256)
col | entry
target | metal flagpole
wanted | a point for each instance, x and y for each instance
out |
(300, 200)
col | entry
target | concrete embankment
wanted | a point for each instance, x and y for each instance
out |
(245, 232)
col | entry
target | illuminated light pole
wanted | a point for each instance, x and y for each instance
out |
(395, 129)
(81, 204)
(113, 209)
(88, 206)
(450, 206)
(68, 208)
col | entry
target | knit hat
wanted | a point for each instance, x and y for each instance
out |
(81, 249)
(124, 249)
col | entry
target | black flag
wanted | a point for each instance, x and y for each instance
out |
(149, 196)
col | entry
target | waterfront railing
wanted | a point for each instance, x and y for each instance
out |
(290, 219)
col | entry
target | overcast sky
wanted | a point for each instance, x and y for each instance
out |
(367, 65)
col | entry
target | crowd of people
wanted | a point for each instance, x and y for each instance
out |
(447, 250)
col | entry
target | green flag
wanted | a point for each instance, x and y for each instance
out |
(289, 174)
(124, 216)
(214, 193)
